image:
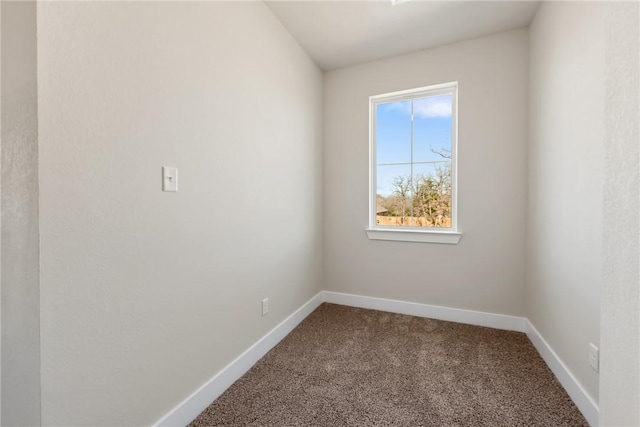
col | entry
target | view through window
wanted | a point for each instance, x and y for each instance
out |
(413, 158)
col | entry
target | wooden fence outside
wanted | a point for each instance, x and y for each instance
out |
(413, 221)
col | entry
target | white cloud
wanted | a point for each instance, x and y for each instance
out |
(434, 106)
(402, 106)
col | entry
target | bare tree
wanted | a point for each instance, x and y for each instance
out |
(443, 152)
(401, 189)
(432, 197)
(425, 200)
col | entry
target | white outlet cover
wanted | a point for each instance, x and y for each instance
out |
(265, 306)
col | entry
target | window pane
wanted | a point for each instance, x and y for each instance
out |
(431, 188)
(413, 154)
(393, 195)
(432, 128)
(393, 132)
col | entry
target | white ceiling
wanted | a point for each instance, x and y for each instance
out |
(339, 33)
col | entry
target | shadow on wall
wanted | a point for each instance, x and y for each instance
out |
(20, 234)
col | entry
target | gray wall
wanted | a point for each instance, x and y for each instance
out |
(566, 155)
(20, 269)
(620, 305)
(0, 213)
(485, 271)
(147, 295)
(138, 282)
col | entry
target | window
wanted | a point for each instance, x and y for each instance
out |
(413, 155)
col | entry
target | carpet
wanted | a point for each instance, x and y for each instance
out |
(345, 366)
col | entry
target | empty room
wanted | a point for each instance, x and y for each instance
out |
(320, 213)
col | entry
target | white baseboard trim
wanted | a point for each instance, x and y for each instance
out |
(574, 389)
(192, 406)
(479, 318)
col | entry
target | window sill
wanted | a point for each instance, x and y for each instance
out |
(421, 236)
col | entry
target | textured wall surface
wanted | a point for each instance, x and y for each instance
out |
(0, 212)
(146, 295)
(485, 271)
(566, 154)
(20, 269)
(620, 305)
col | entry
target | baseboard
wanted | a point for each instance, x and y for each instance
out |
(479, 318)
(193, 405)
(574, 389)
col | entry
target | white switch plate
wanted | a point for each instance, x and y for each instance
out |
(265, 306)
(594, 357)
(169, 178)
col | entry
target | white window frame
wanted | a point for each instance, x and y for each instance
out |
(450, 235)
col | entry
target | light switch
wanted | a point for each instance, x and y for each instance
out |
(169, 179)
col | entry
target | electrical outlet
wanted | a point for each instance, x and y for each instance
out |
(265, 306)
(594, 357)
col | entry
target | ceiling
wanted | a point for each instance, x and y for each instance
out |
(339, 33)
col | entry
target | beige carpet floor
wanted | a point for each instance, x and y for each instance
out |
(345, 366)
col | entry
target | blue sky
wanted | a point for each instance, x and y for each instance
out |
(431, 129)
